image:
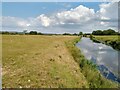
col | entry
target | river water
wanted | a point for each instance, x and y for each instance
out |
(103, 55)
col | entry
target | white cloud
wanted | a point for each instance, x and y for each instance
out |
(108, 15)
(109, 11)
(78, 15)
(27, 25)
(44, 20)
(77, 19)
(14, 22)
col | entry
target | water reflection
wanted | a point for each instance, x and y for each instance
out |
(104, 56)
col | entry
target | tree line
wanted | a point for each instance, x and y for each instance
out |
(21, 33)
(97, 32)
(37, 33)
(105, 32)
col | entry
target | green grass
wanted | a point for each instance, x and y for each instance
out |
(39, 62)
(89, 70)
(108, 37)
(112, 40)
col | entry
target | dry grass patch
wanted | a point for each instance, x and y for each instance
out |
(39, 61)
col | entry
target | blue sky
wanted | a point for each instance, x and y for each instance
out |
(59, 17)
(33, 9)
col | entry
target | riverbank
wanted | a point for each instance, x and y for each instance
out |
(89, 70)
(111, 40)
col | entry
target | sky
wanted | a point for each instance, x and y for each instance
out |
(59, 17)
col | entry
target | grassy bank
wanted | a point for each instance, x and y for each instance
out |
(30, 61)
(112, 40)
(93, 76)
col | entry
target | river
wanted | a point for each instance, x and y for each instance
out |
(104, 56)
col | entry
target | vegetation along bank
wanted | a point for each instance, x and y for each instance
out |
(89, 70)
(112, 40)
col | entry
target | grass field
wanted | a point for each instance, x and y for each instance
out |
(105, 38)
(47, 61)
(39, 61)
(112, 40)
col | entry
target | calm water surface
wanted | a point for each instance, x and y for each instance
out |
(104, 56)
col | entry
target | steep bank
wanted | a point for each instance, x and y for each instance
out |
(113, 41)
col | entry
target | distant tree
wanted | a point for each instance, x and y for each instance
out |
(5, 32)
(98, 32)
(105, 32)
(109, 32)
(80, 33)
(75, 34)
(33, 33)
(66, 34)
(39, 33)
(87, 33)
